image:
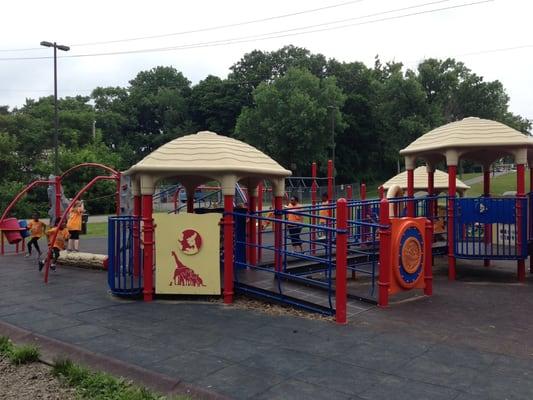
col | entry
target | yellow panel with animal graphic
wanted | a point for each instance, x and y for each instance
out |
(187, 253)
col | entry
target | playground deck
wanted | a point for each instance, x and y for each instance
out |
(315, 297)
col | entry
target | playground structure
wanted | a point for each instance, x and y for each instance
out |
(362, 249)
(352, 244)
(342, 239)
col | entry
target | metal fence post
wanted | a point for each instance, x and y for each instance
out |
(341, 268)
(384, 253)
(428, 261)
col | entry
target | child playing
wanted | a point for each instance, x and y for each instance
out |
(36, 229)
(74, 226)
(61, 238)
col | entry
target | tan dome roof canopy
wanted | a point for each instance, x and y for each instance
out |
(421, 181)
(480, 140)
(205, 156)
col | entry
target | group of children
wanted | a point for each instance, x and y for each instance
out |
(69, 232)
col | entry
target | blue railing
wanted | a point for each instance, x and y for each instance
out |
(124, 275)
(313, 269)
(491, 228)
(305, 274)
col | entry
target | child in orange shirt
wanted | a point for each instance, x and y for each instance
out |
(295, 230)
(74, 226)
(61, 238)
(36, 229)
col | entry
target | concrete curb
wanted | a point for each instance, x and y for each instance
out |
(52, 349)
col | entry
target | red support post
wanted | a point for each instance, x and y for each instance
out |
(117, 196)
(252, 205)
(278, 207)
(487, 234)
(431, 192)
(431, 183)
(428, 259)
(58, 198)
(190, 203)
(175, 199)
(384, 254)
(364, 214)
(452, 190)
(520, 193)
(228, 249)
(410, 192)
(313, 203)
(136, 236)
(431, 207)
(330, 182)
(148, 247)
(260, 191)
(2, 250)
(381, 192)
(349, 195)
(342, 261)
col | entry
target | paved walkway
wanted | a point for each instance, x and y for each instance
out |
(471, 340)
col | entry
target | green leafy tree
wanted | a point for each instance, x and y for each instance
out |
(290, 119)
(258, 66)
(159, 102)
(215, 104)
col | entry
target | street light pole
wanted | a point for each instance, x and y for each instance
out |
(56, 116)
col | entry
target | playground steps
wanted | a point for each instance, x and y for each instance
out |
(265, 284)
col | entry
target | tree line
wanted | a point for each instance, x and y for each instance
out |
(292, 104)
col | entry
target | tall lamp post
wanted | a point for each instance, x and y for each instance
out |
(56, 118)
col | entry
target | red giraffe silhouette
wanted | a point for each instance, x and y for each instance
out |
(185, 276)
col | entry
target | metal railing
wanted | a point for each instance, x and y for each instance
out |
(491, 228)
(124, 274)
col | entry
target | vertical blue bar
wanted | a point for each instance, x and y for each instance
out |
(130, 252)
(116, 233)
(123, 245)
(111, 253)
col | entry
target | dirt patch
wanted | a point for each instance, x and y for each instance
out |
(276, 309)
(31, 381)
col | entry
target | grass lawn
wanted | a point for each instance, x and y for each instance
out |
(498, 185)
(96, 229)
(469, 175)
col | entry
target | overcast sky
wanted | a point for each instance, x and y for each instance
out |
(458, 32)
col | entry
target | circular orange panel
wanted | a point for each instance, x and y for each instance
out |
(411, 255)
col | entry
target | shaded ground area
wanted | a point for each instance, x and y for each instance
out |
(470, 340)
